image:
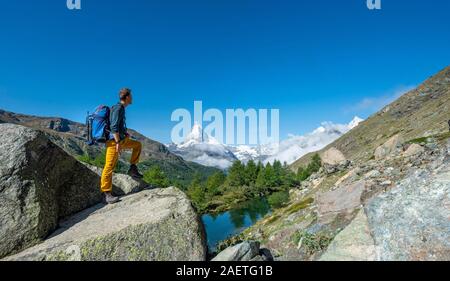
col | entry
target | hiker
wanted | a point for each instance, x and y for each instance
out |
(449, 124)
(119, 139)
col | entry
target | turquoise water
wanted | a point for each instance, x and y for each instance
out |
(221, 226)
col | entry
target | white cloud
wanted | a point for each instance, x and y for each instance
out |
(295, 147)
(207, 160)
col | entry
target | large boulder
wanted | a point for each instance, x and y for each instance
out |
(414, 150)
(39, 184)
(244, 251)
(354, 243)
(392, 146)
(152, 225)
(412, 220)
(333, 160)
(333, 156)
(343, 200)
(122, 184)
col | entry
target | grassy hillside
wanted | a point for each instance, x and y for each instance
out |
(419, 113)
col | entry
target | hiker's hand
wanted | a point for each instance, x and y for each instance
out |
(118, 148)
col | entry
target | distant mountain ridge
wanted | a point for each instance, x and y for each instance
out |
(71, 136)
(201, 148)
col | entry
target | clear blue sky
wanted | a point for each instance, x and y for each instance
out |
(316, 61)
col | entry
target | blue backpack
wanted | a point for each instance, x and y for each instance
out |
(97, 125)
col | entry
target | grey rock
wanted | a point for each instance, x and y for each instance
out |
(390, 147)
(413, 150)
(386, 183)
(152, 225)
(122, 184)
(244, 251)
(340, 201)
(411, 221)
(431, 145)
(354, 243)
(392, 172)
(266, 254)
(333, 156)
(39, 184)
(258, 259)
(333, 168)
(372, 174)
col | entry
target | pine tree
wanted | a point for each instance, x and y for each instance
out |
(251, 173)
(261, 178)
(277, 174)
(236, 177)
(156, 177)
(214, 182)
(302, 174)
(313, 167)
(315, 164)
(269, 176)
(196, 191)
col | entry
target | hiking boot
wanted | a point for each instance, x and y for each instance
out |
(110, 199)
(134, 172)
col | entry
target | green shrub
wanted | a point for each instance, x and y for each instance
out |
(313, 167)
(156, 177)
(313, 243)
(278, 199)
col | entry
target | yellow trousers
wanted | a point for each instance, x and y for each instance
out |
(112, 156)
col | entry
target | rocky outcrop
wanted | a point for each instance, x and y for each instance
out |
(122, 184)
(392, 146)
(245, 251)
(43, 188)
(354, 243)
(413, 150)
(403, 211)
(417, 210)
(333, 160)
(343, 200)
(39, 184)
(152, 225)
(333, 157)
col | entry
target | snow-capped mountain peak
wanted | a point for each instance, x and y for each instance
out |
(206, 150)
(201, 148)
(196, 135)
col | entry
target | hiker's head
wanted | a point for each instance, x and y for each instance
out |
(125, 96)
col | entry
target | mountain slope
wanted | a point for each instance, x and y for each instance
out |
(419, 113)
(71, 136)
(397, 185)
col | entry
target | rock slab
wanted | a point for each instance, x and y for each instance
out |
(122, 184)
(244, 251)
(354, 243)
(343, 200)
(412, 221)
(390, 147)
(152, 225)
